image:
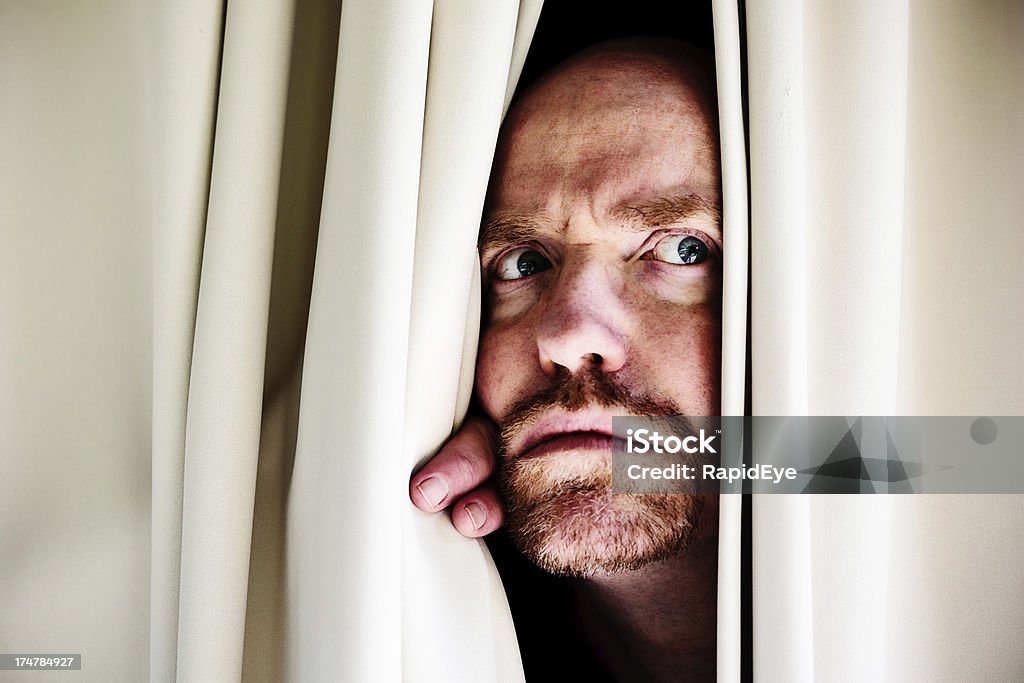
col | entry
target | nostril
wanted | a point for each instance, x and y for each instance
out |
(555, 369)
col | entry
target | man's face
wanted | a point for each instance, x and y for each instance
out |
(601, 252)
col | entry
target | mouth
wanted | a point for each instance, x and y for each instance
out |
(569, 432)
(570, 441)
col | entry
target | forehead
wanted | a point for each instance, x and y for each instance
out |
(606, 133)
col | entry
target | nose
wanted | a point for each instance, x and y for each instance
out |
(583, 322)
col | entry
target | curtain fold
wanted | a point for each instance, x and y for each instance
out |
(783, 627)
(162, 186)
(344, 575)
(226, 387)
(471, 53)
(185, 53)
(876, 129)
(729, 75)
(411, 144)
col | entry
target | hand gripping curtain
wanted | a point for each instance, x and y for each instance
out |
(391, 349)
(181, 183)
(886, 161)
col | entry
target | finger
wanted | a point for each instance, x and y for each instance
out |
(478, 513)
(462, 464)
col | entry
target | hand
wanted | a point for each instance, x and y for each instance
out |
(460, 474)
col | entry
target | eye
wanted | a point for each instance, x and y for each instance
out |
(519, 263)
(683, 250)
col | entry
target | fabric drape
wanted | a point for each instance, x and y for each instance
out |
(735, 235)
(76, 302)
(886, 145)
(391, 348)
(174, 176)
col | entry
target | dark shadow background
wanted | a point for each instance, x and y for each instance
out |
(568, 26)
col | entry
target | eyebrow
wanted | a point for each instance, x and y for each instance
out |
(504, 229)
(655, 213)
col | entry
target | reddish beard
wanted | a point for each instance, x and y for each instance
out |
(561, 510)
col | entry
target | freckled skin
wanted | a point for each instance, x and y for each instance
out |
(627, 124)
(605, 132)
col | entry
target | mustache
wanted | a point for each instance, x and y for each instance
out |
(573, 392)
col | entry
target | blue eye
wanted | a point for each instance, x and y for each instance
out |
(683, 250)
(520, 263)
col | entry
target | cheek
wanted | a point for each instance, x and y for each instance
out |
(506, 362)
(682, 350)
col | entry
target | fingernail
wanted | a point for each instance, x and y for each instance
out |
(477, 515)
(433, 490)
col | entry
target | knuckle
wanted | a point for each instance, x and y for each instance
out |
(488, 439)
(465, 465)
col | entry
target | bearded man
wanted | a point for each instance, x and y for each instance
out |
(601, 251)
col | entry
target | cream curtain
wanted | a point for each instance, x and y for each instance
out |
(391, 349)
(167, 508)
(886, 160)
(76, 303)
(183, 184)
(735, 233)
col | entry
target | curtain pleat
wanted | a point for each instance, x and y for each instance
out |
(407, 168)
(471, 49)
(307, 129)
(834, 332)
(783, 626)
(344, 575)
(185, 49)
(226, 387)
(167, 185)
(957, 563)
(871, 128)
(729, 75)
(526, 23)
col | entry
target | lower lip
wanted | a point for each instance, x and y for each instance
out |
(579, 441)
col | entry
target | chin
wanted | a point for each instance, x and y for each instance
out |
(573, 525)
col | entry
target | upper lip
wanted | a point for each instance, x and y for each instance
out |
(560, 423)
